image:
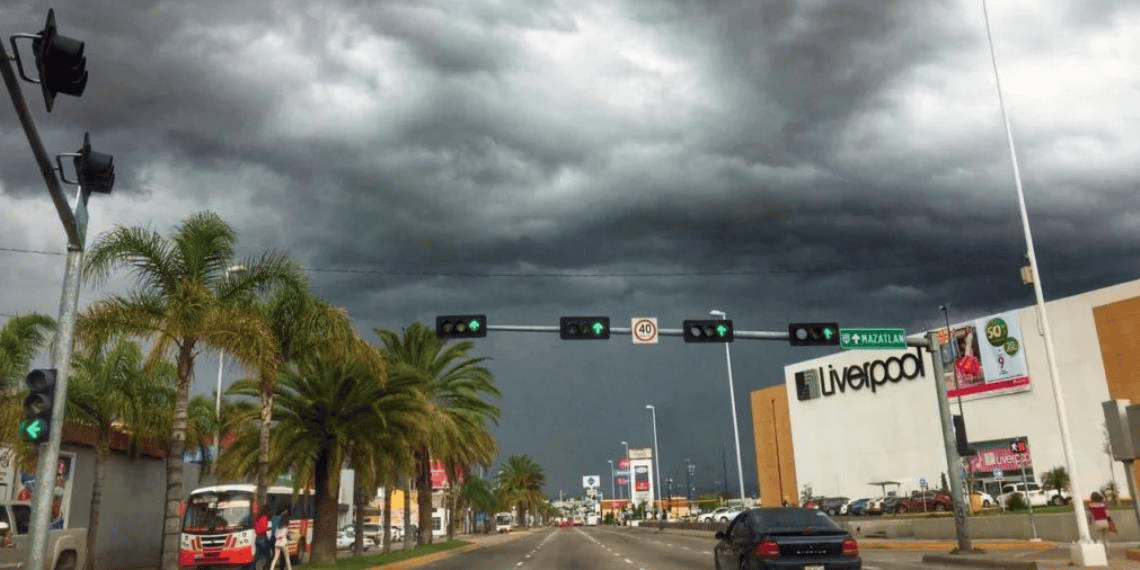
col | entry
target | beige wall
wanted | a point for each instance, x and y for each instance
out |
(1118, 326)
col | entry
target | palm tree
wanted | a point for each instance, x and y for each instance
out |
(521, 478)
(110, 391)
(325, 410)
(455, 387)
(301, 324)
(184, 298)
(480, 494)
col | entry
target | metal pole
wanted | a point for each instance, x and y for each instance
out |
(656, 455)
(1028, 501)
(49, 452)
(68, 307)
(1086, 548)
(732, 397)
(953, 462)
(954, 350)
(613, 492)
(218, 403)
(629, 478)
(776, 438)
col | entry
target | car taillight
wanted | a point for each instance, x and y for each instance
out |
(850, 547)
(766, 549)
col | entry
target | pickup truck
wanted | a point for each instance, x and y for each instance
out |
(66, 549)
(1035, 496)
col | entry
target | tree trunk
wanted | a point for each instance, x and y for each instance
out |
(102, 451)
(327, 480)
(407, 513)
(171, 529)
(265, 400)
(423, 484)
(453, 495)
(386, 515)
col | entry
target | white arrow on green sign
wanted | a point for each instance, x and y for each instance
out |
(872, 338)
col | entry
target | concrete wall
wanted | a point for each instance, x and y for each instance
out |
(1056, 527)
(130, 526)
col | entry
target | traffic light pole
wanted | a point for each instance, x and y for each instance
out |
(755, 335)
(953, 462)
(68, 306)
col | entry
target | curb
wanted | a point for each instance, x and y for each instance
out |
(1133, 554)
(418, 560)
(940, 545)
(979, 561)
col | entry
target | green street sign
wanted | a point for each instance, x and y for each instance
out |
(872, 338)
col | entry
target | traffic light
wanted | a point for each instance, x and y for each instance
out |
(960, 439)
(94, 171)
(578, 328)
(719, 330)
(60, 61)
(461, 326)
(813, 334)
(1018, 446)
(38, 405)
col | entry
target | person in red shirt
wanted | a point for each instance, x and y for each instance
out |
(263, 550)
(1098, 513)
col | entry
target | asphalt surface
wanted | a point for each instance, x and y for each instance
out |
(645, 548)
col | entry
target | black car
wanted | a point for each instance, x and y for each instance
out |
(785, 538)
(831, 505)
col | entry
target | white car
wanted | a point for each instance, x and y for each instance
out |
(1033, 494)
(345, 539)
(714, 515)
(985, 499)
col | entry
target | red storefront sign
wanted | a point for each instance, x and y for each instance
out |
(986, 460)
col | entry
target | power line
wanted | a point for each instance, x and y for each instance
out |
(18, 250)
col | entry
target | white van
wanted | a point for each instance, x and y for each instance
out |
(503, 522)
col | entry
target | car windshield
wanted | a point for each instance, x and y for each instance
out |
(789, 518)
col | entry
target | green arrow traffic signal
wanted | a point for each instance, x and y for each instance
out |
(828, 333)
(579, 328)
(32, 429)
(473, 326)
(598, 328)
(721, 330)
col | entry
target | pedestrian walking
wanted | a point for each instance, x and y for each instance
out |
(281, 540)
(262, 546)
(1098, 513)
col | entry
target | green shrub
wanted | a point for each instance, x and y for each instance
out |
(1016, 502)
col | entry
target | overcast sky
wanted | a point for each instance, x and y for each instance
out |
(778, 160)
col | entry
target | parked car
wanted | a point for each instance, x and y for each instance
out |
(345, 539)
(775, 537)
(730, 514)
(1033, 494)
(892, 504)
(857, 507)
(925, 501)
(874, 506)
(831, 505)
(64, 549)
(984, 498)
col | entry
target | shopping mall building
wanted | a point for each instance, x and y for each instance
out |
(857, 423)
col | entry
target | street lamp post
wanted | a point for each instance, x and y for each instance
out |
(629, 478)
(732, 397)
(689, 466)
(613, 492)
(656, 454)
(1085, 551)
(218, 393)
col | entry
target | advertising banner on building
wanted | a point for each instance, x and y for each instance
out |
(985, 357)
(998, 457)
(439, 475)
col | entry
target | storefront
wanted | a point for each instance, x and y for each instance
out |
(845, 423)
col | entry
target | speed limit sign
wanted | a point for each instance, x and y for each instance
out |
(644, 330)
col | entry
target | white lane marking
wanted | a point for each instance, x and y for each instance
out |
(628, 561)
(519, 564)
(706, 552)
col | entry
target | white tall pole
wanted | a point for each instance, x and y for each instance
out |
(613, 492)
(1086, 552)
(629, 478)
(656, 454)
(732, 397)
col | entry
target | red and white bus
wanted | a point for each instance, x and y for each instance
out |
(217, 525)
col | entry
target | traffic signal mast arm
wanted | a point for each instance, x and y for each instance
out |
(754, 335)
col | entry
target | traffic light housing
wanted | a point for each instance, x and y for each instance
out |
(584, 328)
(813, 334)
(1018, 446)
(461, 326)
(716, 330)
(960, 440)
(60, 61)
(94, 171)
(38, 406)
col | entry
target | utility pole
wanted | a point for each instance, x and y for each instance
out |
(953, 462)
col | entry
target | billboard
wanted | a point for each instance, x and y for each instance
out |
(984, 357)
(643, 491)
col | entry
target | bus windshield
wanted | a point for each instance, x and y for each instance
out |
(218, 511)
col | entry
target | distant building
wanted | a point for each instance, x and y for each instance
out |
(846, 423)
